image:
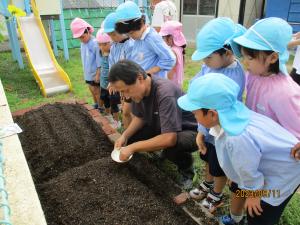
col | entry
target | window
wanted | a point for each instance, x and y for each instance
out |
(207, 7)
(190, 7)
(199, 7)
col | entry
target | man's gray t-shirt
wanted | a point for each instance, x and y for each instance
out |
(160, 110)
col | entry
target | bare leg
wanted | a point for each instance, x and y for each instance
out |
(208, 176)
(91, 88)
(237, 205)
(219, 184)
(95, 91)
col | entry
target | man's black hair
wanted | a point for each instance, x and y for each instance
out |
(126, 71)
(125, 27)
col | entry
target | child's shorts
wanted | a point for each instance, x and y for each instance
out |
(234, 188)
(110, 101)
(92, 83)
(211, 158)
(295, 76)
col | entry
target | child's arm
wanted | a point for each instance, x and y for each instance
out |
(153, 70)
(201, 143)
(296, 151)
(286, 107)
(97, 76)
(98, 62)
(173, 70)
(166, 58)
(295, 41)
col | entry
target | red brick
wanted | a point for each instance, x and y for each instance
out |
(88, 107)
(108, 130)
(81, 102)
(68, 101)
(21, 112)
(94, 112)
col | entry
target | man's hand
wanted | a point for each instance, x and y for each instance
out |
(120, 142)
(253, 206)
(296, 151)
(125, 153)
(200, 143)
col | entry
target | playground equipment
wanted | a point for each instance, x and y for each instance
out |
(51, 78)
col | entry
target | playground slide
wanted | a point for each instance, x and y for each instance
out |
(51, 78)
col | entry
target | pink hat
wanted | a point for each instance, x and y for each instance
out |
(78, 26)
(102, 37)
(173, 28)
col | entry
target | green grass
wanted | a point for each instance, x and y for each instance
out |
(22, 91)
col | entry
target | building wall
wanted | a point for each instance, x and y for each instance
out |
(229, 8)
(253, 10)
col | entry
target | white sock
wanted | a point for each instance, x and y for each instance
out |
(237, 219)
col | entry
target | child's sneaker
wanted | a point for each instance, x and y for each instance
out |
(95, 105)
(212, 202)
(116, 124)
(101, 109)
(201, 192)
(227, 220)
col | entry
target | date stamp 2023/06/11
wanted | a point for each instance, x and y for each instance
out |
(257, 193)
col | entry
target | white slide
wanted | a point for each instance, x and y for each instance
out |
(52, 79)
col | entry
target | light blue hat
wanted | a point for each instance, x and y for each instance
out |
(271, 34)
(215, 34)
(128, 11)
(110, 22)
(217, 91)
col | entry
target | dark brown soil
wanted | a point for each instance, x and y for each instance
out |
(78, 183)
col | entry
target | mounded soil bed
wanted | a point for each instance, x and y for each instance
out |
(77, 181)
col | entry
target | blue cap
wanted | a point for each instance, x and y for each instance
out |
(110, 22)
(217, 91)
(215, 34)
(271, 34)
(128, 11)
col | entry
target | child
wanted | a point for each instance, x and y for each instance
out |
(171, 31)
(110, 101)
(295, 73)
(121, 48)
(216, 48)
(250, 147)
(89, 55)
(270, 90)
(149, 49)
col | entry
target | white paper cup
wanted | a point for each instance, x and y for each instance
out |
(115, 155)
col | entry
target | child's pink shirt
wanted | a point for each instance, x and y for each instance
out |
(277, 97)
(179, 69)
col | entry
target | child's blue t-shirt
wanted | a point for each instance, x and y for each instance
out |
(104, 72)
(235, 72)
(119, 51)
(151, 51)
(90, 58)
